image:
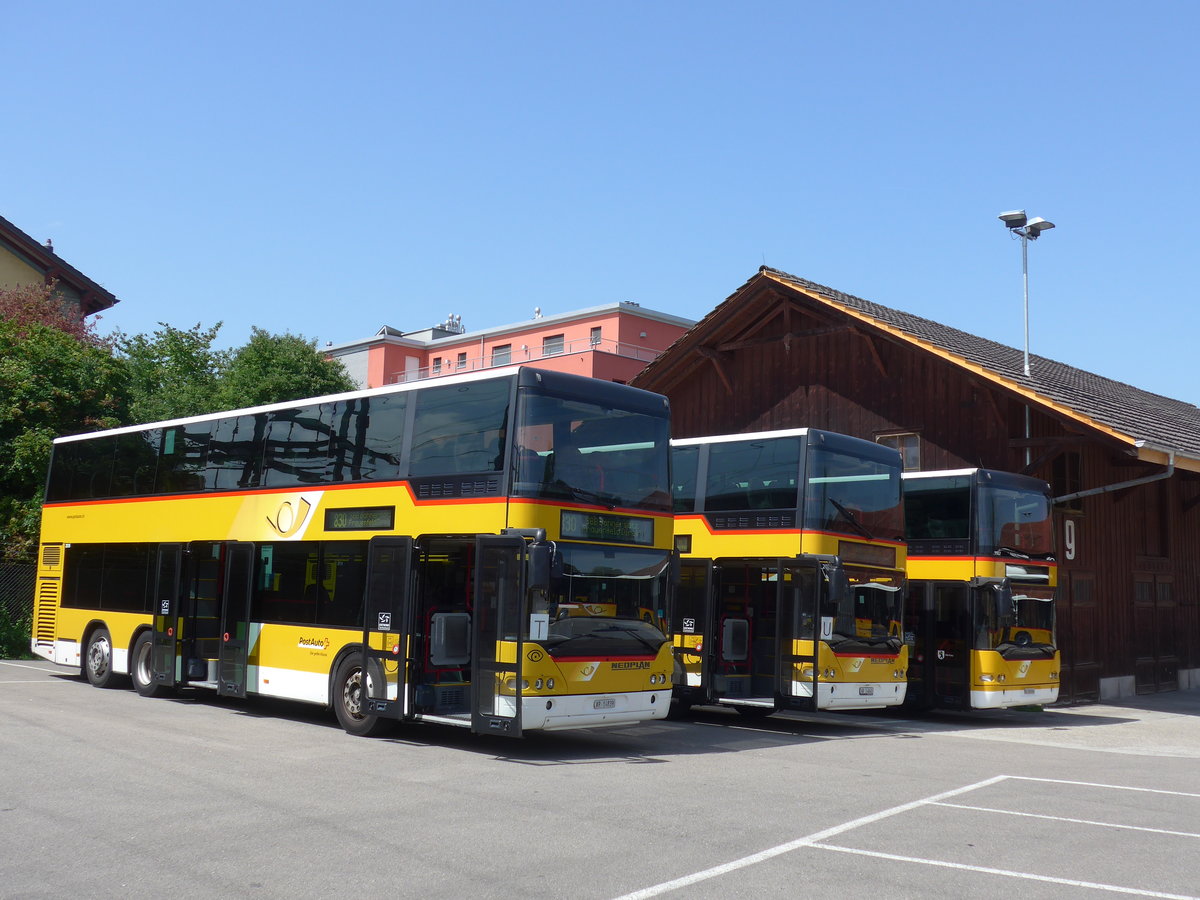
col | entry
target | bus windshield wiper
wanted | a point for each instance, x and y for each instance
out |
(857, 525)
(629, 631)
(1020, 554)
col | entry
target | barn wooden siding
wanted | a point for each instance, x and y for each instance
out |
(1129, 606)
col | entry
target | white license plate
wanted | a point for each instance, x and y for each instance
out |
(1030, 691)
(866, 690)
(605, 703)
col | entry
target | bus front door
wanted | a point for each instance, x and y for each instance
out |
(938, 618)
(168, 575)
(799, 588)
(387, 627)
(498, 621)
(236, 590)
(740, 617)
(691, 617)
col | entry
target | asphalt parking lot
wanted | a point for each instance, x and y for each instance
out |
(107, 794)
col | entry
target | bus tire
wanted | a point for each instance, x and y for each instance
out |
(141, 667)
(348, 696)
(98, 659)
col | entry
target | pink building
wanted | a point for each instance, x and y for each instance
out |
(612, 342)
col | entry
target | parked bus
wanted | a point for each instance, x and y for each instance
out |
(489, 550)
(982, 576)
(792, 569)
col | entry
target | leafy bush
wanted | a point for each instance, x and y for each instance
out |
(15, 629)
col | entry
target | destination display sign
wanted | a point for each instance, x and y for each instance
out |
(600, 527)
(361, 518)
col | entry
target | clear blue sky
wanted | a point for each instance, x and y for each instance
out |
(326, 169)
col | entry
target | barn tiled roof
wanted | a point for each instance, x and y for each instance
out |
(1140, 415)
(1126, 413)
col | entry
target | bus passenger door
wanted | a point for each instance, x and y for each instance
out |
(690, 616)
(237, 588)
(168, 574)
(800, 585)
(949, 645)
(387, 654)
(729, 634)
(497, 626)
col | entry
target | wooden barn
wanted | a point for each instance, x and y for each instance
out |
(1124, 464)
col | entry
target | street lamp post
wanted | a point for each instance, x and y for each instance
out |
(1027, 230)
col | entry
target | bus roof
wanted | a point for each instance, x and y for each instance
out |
(560, 380)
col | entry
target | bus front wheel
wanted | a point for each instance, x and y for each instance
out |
(98, 659)
(142, 668)
(349, 700)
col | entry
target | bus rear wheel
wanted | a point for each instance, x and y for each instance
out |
(142, 668)
(349, 700)
(98, 659)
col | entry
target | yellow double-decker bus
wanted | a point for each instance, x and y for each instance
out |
(982, 576)
(489, 550)
(792, 570)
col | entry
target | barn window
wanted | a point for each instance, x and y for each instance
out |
(909, 445)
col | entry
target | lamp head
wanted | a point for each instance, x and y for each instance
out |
(1036, 226)
(1014, 218)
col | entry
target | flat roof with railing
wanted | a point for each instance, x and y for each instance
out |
(516, 356)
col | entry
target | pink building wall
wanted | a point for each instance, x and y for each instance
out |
(627, 342)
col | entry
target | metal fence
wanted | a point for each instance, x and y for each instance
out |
(16, 589)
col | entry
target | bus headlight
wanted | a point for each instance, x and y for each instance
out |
(987, 679)
(524, 684)
(1000, 678)
(830, 673)
(1054, 676)
(549, 684)
(537, 685)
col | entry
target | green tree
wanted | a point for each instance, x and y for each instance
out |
(275, 368)
(173, 373)
(51, 384)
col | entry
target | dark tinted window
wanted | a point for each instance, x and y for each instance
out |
(307, 582)
(114, 577)
(83, 574)
(81, 470)
(684, 461)
(297, 446)
(135, 464)
(127, 575)
(460, 428)
(235, 452)
(754, 474)
(368, 438)
(183, 459)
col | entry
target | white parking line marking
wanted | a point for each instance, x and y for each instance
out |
(1111, 787)
(807, 841)
(34, 668)
(1011, 812)
(1113, 888)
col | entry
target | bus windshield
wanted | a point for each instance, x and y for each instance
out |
(608, 602)
(1014, 522)
(1015, 620)
(851, 493)
(572, 449)
(866, 616)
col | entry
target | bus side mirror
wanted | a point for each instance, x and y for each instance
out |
(541, 562)
(1004, 603)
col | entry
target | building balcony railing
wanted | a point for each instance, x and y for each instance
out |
(520, 355)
